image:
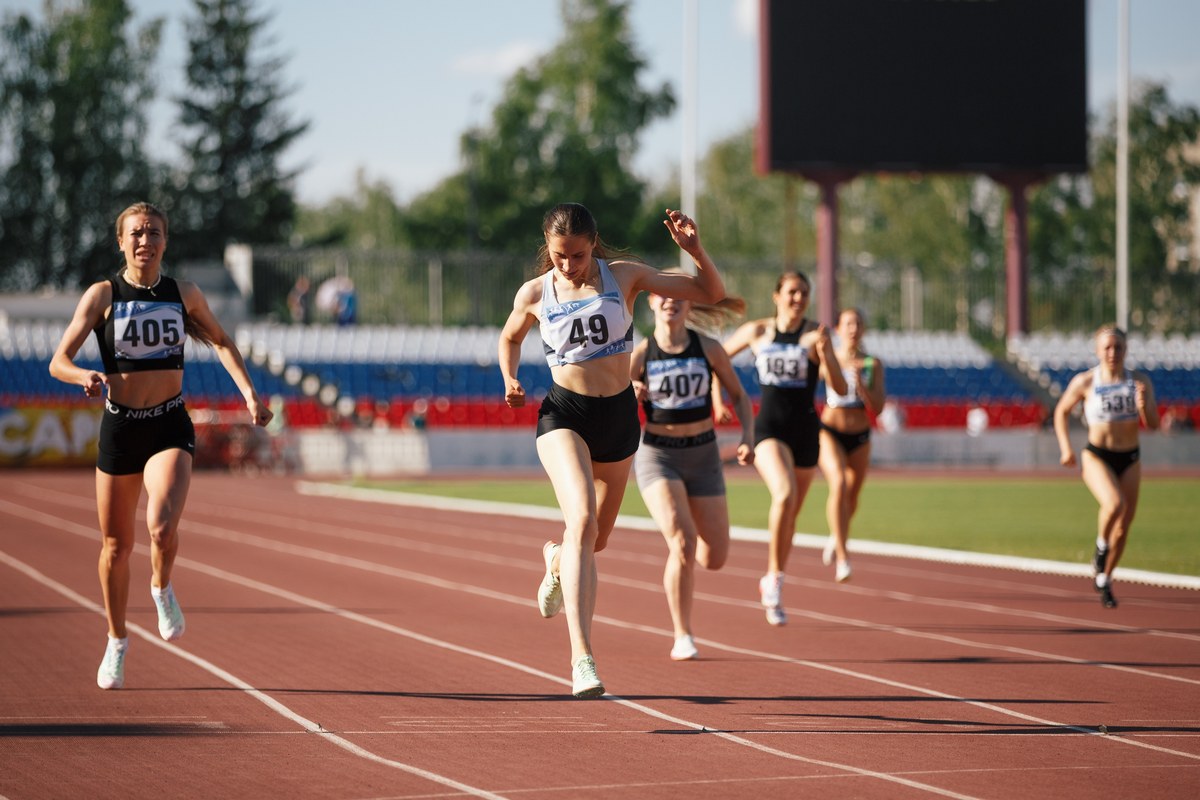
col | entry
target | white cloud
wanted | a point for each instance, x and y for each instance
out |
(504, 61)
(745, 17)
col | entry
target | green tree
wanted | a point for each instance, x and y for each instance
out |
(72, 89)
(566, 130)
(233, 187)
(369, 218)
(1073, 218)
(948, 228)
(742, 213)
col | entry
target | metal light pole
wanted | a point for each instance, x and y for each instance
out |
(687, 166)
(1123, 166)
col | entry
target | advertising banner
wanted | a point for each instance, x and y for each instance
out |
(49, 436)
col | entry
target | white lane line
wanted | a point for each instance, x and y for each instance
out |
(916, 634)
(344, 533)
(809, 540)
(333, 558)
(433, 642)
(303, 551)
(270, 702)
(371, 566)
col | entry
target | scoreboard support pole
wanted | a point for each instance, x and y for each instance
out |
(1016, 250)
(827, 242)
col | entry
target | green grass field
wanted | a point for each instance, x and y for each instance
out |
(1052, 517)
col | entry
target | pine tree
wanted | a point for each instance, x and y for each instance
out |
(233, 187)
(566, 130)
(73, 87)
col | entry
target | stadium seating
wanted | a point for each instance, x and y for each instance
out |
(1172, 363)
(449, 376)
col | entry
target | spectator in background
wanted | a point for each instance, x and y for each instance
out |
(790, 354)
(588, 426)
(678, 465)
(1116, 401)
(347, 304)
(140, 318)
(299, 301)
(846, 435)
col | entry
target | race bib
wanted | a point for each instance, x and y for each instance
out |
(147, 330)
(678, 383)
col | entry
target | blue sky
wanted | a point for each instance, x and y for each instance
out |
(389, 85)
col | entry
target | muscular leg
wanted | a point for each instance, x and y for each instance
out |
(610, 479)
(855, 476)
(116, 502)
(578, 482)
(804, 479)
(832, 461)
(712, 525)
(1107, 490)
(1130, 483)
(667, 502)
(168, 477)
(774, 463)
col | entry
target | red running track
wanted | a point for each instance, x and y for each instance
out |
(345, 649)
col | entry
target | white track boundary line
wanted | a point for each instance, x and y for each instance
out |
(343, 533)
(222, 674)
(313, 727)
(383, 569)
(809, 540)
(327, 557)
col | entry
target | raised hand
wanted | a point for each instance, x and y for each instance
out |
(683, 230)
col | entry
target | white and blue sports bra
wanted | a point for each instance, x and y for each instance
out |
(850, 399)
(592, 327)
(1111, 402)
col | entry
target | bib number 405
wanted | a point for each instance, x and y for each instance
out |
(151, 332)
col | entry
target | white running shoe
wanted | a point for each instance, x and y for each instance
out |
(843, 572)
(770, 588)
(684, 649)
(549, 595)
(828, 552)
(585, 683)
(111, 674)
(170, 617)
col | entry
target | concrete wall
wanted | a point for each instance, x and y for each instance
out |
(370, 453)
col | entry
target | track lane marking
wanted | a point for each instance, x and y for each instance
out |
(523, 602)
(385, 497)
(809, 540)
(279, 708)
(349, 746)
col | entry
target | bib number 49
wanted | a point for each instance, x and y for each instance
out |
(596, 332)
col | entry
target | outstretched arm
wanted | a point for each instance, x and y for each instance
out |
(1146, 404)
(725, 375)
(706, 286)
(516, 327)
(227, 351)
(88, 314)
(874, 392)
(830, 368)
(637, 370)
(1062, 413)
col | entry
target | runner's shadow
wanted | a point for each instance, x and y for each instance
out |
(919, 726)
(40, 730)
(1000, 661)
(39, 612)
(702, 700)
